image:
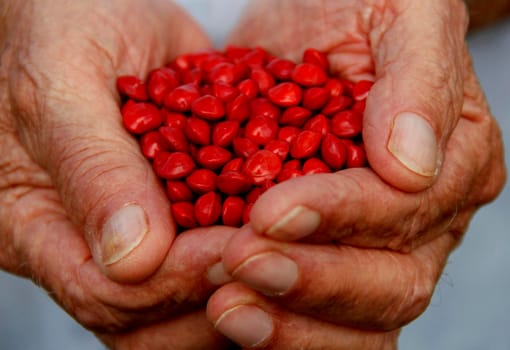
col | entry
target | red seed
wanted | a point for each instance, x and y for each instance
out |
(347, 124)
(233, 183)
(288, 134)
(238, 109)
(255, 58)
(292, 164)
(232, 211)
(244, 147)
(287, 174)
(132, 87)
(319, 124)
(235, 164)
(336, 104)
(178, 191)
(173, 166)
(306, 144)
(208, 107)
(334, 86)
(140, 117)
(152, 143)
(202, 181)
(361, 89)
(333, 151)
(236, 53)
(279, 147)
(161, 82)
(213, 157)
(356, 156)
(198, 131)
(295, 116)
(173, 119)
(192, 76)
(184, 214)
(246, 213)
(175, 139)
(181, 98)
(253, 195)
(307, 74)
(315, 166)
(224, 133)
(222, 72)
(281, 68)
(208, 209)
(315, 98)
(285, 94)
(261, 166)
(249, 88)
(263, 79)
(264, 107)
(317, 58)
(224, 91)
(261, 130)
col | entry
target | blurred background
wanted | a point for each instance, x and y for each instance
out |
(470, 309)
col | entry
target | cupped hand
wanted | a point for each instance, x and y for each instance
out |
(435, 153)
(81, 212)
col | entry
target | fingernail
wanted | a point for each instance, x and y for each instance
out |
(296, 224)
(247, 325)
(414, 143)
(122, 233)
(269, 273)
(217, 274)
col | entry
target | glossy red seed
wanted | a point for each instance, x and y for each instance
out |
(247, 212)
(261, 130)
(236, 53)
(132, 87)
(318, 123)
(336, 104)
(208, 107)
(288, 134)
(232, 211)
(333, 151)
(285, 94)
(202, 181)
(175, 139)
(140, 117)
(213, 157)
(211, 62)
(315, 166)
(181, 98)
(244, 147)
(263, 107)
(198, 131)
(359, 106)
(261, 166)
(279, 147)
(161, 82)
(255, 58)
(295, 116)
(306, 144)
(152, 143)
(287, 174)
(347, 124)
(192, 76)
(252, 196)
(281, 68)
(317, 58)
(249, 88)
(238, 109)
(181, 64)
(334, 86)
(233, 183)
(263, 79)
(307, 74)
(208, 209)
(361, 89)
(292, 164)
(178, 191)
(173, 166)
(356, 156)
(173, 119)
(235, 164)
(224, 133)
(315, 97)
(184, 214)
(222, 72)
(224, 91)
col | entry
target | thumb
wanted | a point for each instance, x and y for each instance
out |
(417, 97)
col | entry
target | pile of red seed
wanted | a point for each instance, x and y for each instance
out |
(220, 128)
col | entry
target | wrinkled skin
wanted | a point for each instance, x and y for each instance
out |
(385, 233)
(67, 164)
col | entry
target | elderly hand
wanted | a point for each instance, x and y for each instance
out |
(386, 232)
(81, 212)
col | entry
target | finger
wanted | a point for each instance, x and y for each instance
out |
(417, 97)
(254, 322)
(355, 287)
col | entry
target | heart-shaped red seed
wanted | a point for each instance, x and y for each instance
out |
(315, 166)
(173, 166)
(213, 157)
(347, 124)
(140, 117)
(178, 191)
(319, 124)
(175, 139)
(198, 131)
(295, 116)
(152, 143)
(281, 68)
(261, 166)
(286, 94)
(224, 133)
(233, 183)
(261, 130)
(181, 98)
(132, 87)
(333, 151)
(244, 147)
(174, 119)
(317, 58)
(208, 107)
(202, 181)
(208, 209)
(161, 82)
(279, 147)
(249, 88)
(356, 156)
(307, 74)
(232, 211)
(305, 144)
(184, 214)
(315, 97)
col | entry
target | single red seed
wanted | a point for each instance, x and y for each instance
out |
(236, 53)
(224, 133)
(333, 151)
(315, 166)
(233, 183)
(292, 164)
(263, 79)
(232, 211)
(173, 119)
(161, 82)
(255, 58)
(173, 166)
(281, 68)
(238, 109)
(288, 133)
(306, 144)
(208, 107)
(244, 147)
(318, 123)
(317, 58)
(247, 212)
(178, 191)
(347, 124)
(208, 209)
(263, 107)
(132, 87)
(261, 166)
(336, 104)
(279, 147)
(213, 157)
(285, 94)
(356, 156)
(181, 98)
(315, 97)
(140, 117)
(361, 89)
(307, 74)
(287, 174)
(184, 214)
(261, 130)
(295, 116)
(152, 143)
(224, 91)
(175, 139)
(334, 86)
(222, 72)
(202, 181)
(235, 164)
(181, 64)
(198, 131)
(253, 195)
(249, 88)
